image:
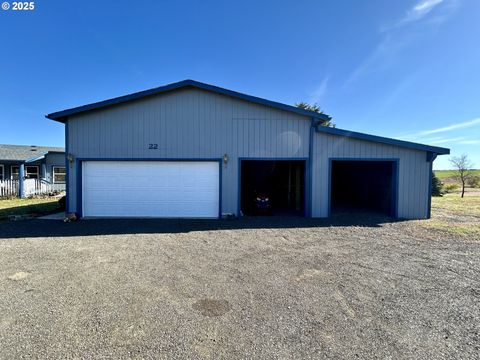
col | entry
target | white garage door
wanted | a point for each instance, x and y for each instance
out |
(150, 189)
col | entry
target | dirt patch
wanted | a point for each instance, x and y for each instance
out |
(475, 192)
(312, 274)
(19, 276)
(212, 307)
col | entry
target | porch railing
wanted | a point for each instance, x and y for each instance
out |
(8, 188)
(31, 187)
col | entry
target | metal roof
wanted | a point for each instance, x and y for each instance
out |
(61, 116)
(383, 140)
(25, 152)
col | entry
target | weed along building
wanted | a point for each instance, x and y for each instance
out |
(190, 149)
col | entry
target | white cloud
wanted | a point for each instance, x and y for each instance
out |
(469, 142)
(444, 140)
(443, 135)
(317, 94)
(392, 43)
(463, 125)
(379, 59)
(421, 9)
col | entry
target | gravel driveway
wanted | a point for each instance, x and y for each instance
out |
(270, 288)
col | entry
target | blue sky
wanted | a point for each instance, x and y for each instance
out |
(405, 69)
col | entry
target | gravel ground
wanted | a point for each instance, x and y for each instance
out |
(272, 288)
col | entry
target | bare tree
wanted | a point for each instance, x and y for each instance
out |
(462, 165)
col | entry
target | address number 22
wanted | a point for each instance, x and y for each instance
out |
(152, 146)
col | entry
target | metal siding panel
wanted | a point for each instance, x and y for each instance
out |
(414, 178)
(409, 187)
(413, 172)
(246, 138)
(73, 135)
(422, 188)
(418, 178)
(256, 134)
(412, 204)
(425, 191)
(188, 124)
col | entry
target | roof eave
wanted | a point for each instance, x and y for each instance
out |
(383, 140)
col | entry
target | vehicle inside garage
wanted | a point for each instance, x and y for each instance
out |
(363, 186)
(272, 187)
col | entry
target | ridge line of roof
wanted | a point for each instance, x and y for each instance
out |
(62, 115)
(44, 146)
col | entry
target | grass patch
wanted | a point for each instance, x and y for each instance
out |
(468, 230)
(454, 204)
(450, 175)
(455, 215)
(17, 206)
(444, 174)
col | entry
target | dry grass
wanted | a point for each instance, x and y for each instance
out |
(453, 203)
(453, 214)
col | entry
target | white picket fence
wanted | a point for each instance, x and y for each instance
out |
(9, 188)
(39, 187)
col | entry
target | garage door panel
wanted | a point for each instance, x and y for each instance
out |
(150, 189)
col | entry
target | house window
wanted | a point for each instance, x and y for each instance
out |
(59, 175)
(2, 172)
(31, 172)
(14, 172)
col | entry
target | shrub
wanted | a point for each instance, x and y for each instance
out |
(473, 181)
(437, 186)
(451, 188)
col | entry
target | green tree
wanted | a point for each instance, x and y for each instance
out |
(437, 186)
(314, 108)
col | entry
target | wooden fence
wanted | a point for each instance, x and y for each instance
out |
(9, 188)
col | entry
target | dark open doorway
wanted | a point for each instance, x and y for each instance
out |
(363, 186)
(282, 182)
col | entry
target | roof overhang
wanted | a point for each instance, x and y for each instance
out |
(36, 158)
(63, 115)
(42, 156)
(383, 140)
